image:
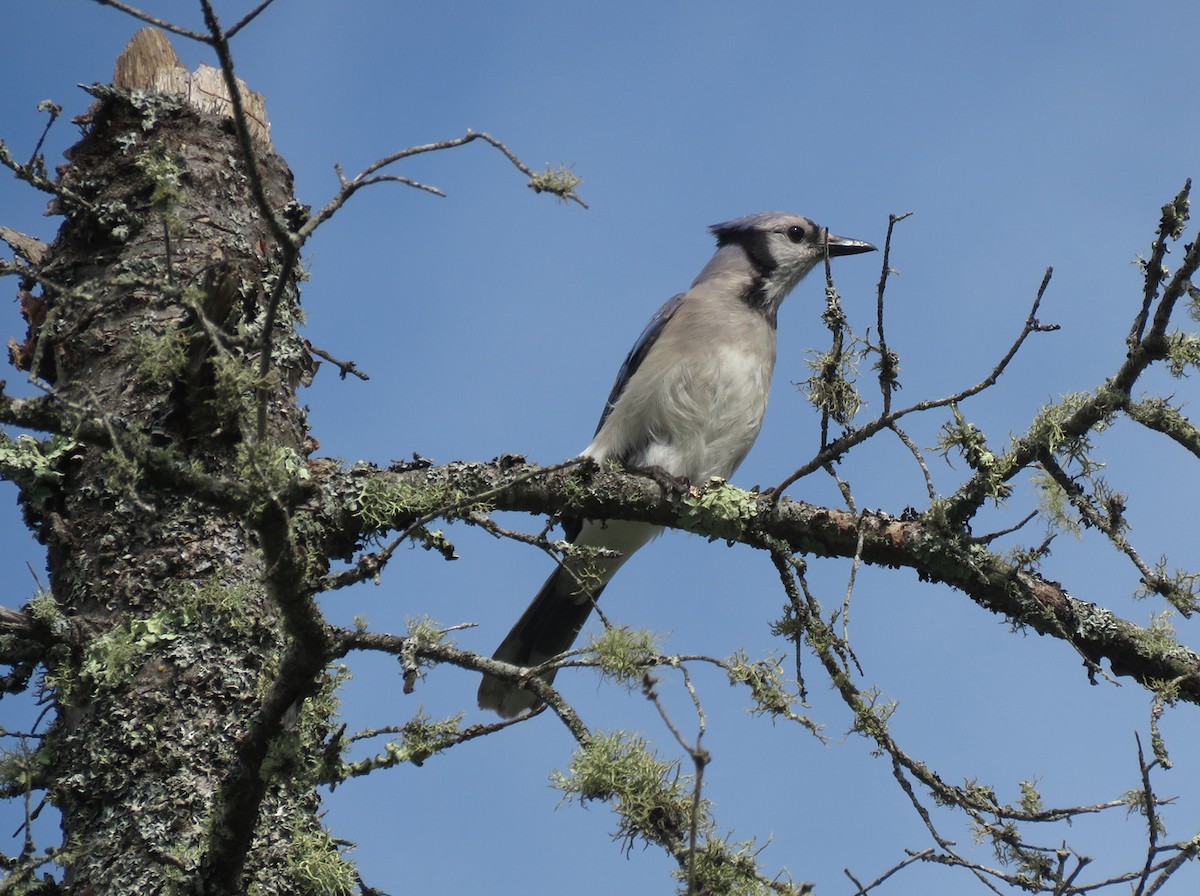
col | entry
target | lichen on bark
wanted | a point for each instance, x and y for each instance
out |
(149, 318)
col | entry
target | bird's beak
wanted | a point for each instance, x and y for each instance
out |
(840, 245)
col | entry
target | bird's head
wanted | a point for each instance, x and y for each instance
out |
(781, 248)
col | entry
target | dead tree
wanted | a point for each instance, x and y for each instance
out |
(189, 529)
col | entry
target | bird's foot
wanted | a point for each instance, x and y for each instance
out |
(676, 486)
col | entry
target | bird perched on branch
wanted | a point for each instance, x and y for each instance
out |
(688, 401)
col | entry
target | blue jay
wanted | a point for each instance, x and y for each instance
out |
(689, 401)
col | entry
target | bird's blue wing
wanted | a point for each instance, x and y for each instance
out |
(639, 351)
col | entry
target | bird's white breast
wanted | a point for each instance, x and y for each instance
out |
(695, 405)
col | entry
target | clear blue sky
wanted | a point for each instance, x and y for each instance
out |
(1020, 135)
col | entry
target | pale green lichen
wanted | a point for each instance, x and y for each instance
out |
(719, 510)
(424, 633)
(151, 104)
(290, 755)
(115, 656)
(1031, 798)
(769, 689)
(381, 502)
(272, 466)
(111, 659)
(831, 388)
(1053, 429)
(653, 801)
(1054, 507)
(1180, 588)
(166, 171)
(625, 654)
(318, 863)
(560, 181)
(159, 357)
(963, 436)
(420, 738)
(45, 611)
(657, 804)
(35, 466)
(1183, 353)
(1159, 636)
(731, 869)
(1164, 696)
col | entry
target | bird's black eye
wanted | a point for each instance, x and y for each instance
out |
(795, 233)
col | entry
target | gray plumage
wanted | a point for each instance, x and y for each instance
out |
(689, 400)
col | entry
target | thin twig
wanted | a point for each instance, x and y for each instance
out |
(700, 759)
(53, 110)
(855, 565)
(999, 533)
(346, 641)
(1148, 809)
(288, 244)
(247, 19)
(368, 175)
(840, 446)
(887, 361)
(156, 22)
(915, 451)
(1112, 528)
(903, 863)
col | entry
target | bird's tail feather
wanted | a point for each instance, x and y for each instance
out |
(547, 628)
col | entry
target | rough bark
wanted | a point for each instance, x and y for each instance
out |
(921, 542)
(188, 533)
(148, 328)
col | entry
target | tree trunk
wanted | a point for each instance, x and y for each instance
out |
(150, 330)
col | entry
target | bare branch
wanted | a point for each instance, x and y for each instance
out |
(344, 367)
(839, 447)
(903, 863)
(346, 641)
(155, 21)
(917, 454)
(888, 361)
(247, 19)
(368, 176)
(288, 244)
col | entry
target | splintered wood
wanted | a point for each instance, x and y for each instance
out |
(150, 63)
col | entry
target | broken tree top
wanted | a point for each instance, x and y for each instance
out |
(149, 62)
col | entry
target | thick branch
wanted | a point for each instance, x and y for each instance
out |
(724, 512)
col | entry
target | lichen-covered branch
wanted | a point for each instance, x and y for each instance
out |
(922, 543)
(189, 531)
